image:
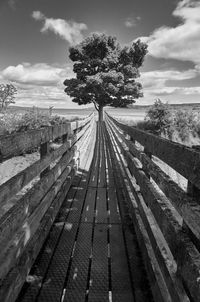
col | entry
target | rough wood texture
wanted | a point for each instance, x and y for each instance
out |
(11, 285)
(183, 159)
(17, 182)
(15, 247)
(182, 248)
(16, 144)
(19, 143)
(187, 207)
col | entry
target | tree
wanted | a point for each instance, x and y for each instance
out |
(7, 95)
(105, 72)
(159, 116)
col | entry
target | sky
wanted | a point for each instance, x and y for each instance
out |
(35, 37)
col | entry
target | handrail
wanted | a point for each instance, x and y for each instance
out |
(183, 159)
(25, 224)
(18, 143)
(169, 240)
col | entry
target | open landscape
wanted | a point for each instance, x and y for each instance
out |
(100, 151)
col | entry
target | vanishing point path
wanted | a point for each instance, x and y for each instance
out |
(91, 253)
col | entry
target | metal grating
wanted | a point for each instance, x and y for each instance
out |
(101, 206)
(52, 287)
(88, 211)
(121, 283)
(99, 279)
(77, 282)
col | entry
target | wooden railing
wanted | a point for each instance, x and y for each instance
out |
(25, 219)
(166, 217)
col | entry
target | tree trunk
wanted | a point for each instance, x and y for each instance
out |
(100, 114)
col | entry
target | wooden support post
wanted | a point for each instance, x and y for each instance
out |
(192, 190)
(150, 156)
(64, 138)
(44, 150)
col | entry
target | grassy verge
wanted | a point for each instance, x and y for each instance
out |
(12, 122)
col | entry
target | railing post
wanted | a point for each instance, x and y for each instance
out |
(192, 190)
(150, 156)
(44, 150)
(64, 138)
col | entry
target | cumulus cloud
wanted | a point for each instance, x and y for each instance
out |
(155, 84)
(131, 22)
(70, 31)
(37, 74)
(38, 84)
(181, 42)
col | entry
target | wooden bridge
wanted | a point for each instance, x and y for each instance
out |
(101, 220)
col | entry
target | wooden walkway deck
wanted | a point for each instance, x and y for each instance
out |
(91, 253)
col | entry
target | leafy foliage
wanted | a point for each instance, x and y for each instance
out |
(33, 119)
(158, 118)
(105, 72)
(182, 126)
(7, 95)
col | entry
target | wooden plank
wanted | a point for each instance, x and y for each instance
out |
(52, 287)
(15, 216)
(121, 284)
(184, 160)
(59, 265)
(101, 206)
(162, 253)
(16, 144)
(188, 259)
(102, 163)
(16, 183)
(77, 281)
(98, 290)
(187, 207)
(31, 291)
(114, 216)
(15, 247)
(95, 162)
(89, 206)
(156, 279)
(11, 285)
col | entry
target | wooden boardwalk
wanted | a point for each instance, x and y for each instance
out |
(91, 253)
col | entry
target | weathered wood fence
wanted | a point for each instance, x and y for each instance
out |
(25, 221)
(166, 217)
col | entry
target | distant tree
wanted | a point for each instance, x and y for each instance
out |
(105, 72)
(7, 95)
(159, 116)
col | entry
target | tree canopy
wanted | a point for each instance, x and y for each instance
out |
(106, 73)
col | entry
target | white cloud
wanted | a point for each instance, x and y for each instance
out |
(70, 31)
(155, 84)
(158, 78)
(131, 22)
(181, 42)
(39, 84)
(37, 74)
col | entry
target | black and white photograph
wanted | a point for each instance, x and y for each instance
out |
(100, 151)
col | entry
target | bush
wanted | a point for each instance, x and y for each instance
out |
(33, 119)
(182, 126)
(158, 118)
(185, 124)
